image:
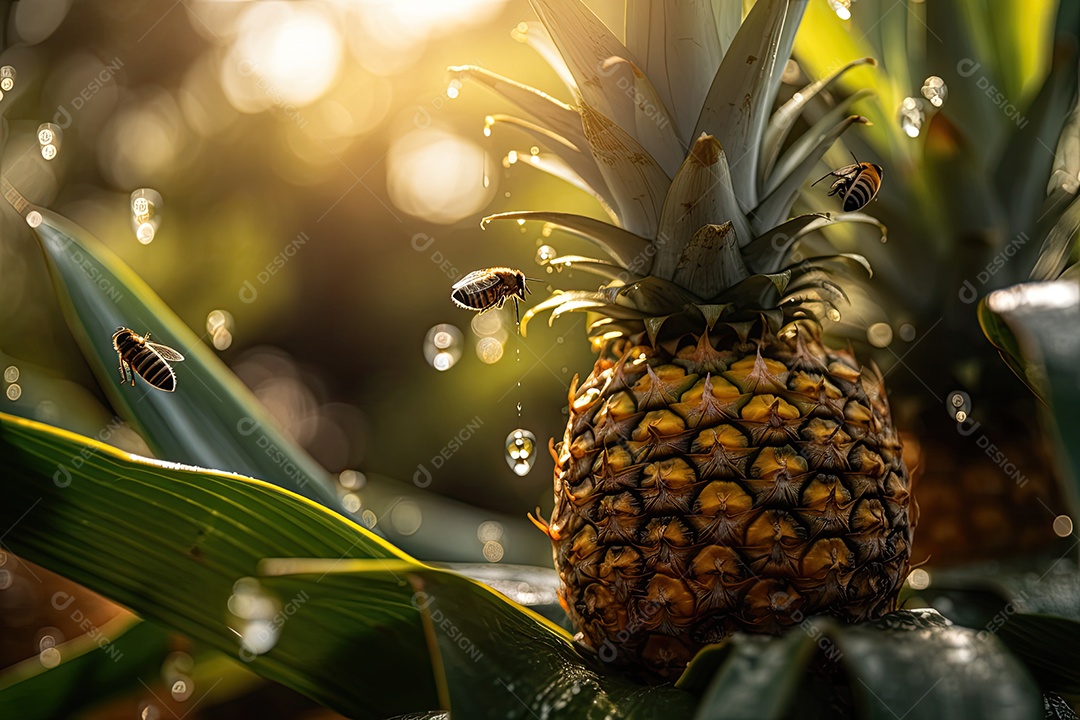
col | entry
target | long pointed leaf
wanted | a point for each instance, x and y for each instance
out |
(680, 49)
(171, 541)
(628, 249)
(740, 99)
(700, 194)
(975, 678)
(212, 419)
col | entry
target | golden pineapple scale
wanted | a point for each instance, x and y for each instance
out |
(724, 483)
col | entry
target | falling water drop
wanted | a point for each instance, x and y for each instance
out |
(912, 116)
(49, 136)
(146, 214)
(7, 78)
(842, 8)
(442, 346)
(521, 451)
(834, 314)
(935, 91)
(545, 254)
(959, 405)
(880, 334)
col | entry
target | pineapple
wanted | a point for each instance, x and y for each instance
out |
(722, 469)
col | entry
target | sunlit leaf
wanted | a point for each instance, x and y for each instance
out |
(628, 249)
(212, 419)
(700, 194)
(737, 107)
(170, 542)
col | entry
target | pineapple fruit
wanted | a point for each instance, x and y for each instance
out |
(722, 469)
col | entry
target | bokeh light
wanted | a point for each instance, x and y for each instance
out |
(438, 176)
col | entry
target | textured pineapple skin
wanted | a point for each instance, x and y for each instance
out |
(700, 492)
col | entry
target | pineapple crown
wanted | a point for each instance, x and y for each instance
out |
(697, 188)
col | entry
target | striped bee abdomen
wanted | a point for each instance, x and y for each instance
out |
(150, 361)
(482, 290)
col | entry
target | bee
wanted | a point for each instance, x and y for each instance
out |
(857, 184)
(149, 359)
(482, 290)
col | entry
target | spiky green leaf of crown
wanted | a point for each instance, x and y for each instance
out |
(698, 188)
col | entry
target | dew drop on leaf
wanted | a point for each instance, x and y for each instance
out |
(935, 91)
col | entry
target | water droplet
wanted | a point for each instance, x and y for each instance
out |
(11, 374)
(879, 334)
(489, 350)
(493, 551)
(545, 254)
(453, 89)
(907, 332)
(406, 517)
(959, 405)
(912, 116)
(935, 91)
(6, 579)
(834, 314)
(49, 138)
(919, 579)
(14, 392)
(490, 324)
(842, 8)
(351, 502)
(182, 689)
(511, 157)
(1063, 526)
(521, 451)
(7, 78)
(369, 519)
(352, 479)
(442, 346)
(146, 206)
(49, 657)
(489, 531)
(33, 218)
(219, 324)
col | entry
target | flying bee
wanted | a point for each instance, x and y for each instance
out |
(149, 359)
(857, 184)
(482, 290)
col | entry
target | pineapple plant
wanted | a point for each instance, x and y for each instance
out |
(977, 185)
(723, 469)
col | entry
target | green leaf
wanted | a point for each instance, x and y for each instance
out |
(1045, 319)
(737, 107)
(759, 677)
(1048, 645)
(93, 670)
(629, 250)
(947, 671)
(212, 419)
(701, 194)
(171, 542)
(1001, 336)
(525, 672)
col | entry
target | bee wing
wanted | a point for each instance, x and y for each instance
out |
(480, 280)
(846, 170)
(166, 353)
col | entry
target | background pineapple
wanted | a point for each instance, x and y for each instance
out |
(722, 469)
(977, 182)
